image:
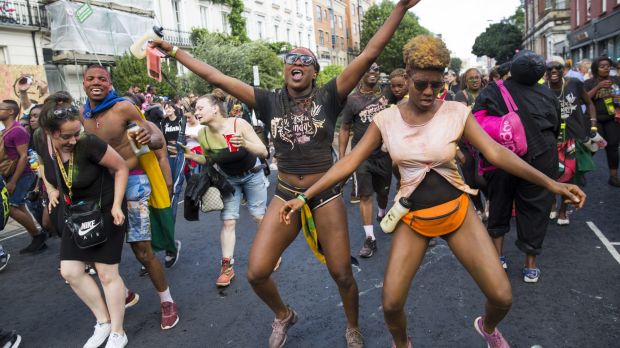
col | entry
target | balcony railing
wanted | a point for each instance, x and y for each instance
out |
(176, 37)
(23, 13)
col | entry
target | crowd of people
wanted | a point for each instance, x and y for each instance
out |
(112, 169)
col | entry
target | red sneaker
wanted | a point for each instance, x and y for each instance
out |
(132, 299)
(169, 315)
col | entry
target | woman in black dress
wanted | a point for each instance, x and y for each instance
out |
(89, 170)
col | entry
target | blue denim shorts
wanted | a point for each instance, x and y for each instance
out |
(254, 187)
(22, 187)
(138, 220)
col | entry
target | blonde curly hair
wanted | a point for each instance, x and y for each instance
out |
(426, 52)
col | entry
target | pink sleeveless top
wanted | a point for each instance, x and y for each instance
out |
(417, 149)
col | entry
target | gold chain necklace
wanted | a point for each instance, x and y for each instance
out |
(67, 178)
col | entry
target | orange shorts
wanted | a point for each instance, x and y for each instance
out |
(439, 220)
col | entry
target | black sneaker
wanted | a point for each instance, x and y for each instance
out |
(613, 181)
(171, 257)
(9, 339)
(36, 245)
(369, 247)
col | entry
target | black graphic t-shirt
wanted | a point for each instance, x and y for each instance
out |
(598, 100)
(360, 110)
(302, 137)
(570, 109)
(171, 129)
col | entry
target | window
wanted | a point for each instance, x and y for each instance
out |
(224, 22)
(260, 27)
(288, 35)
(342, 42)
(176, 11)
(204, 15)
(548, 5)
(321, 38)
(354, 28)
(340, 22)
(325, 14)
(604, 8)
(299, 38)
(309, 40)
(588, 10)
(577, 14)
(306, 11)
(561, 5)
(275, 32)
(318, 13)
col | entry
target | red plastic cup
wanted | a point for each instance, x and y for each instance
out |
(231, 147)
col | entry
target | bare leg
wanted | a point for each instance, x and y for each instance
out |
(406, 255)
(272, 238)
(114, 290)
(145, 256)
(227, 238)
(333, 234)
(472, 246)
(366, 210)
(86, 288)
(23, 217)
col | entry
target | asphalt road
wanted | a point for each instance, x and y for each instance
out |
(575, 303)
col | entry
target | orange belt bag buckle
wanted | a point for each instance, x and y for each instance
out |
(439, 220)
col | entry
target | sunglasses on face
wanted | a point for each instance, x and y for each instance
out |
(305, 59)
(558, 67)
(66, 112)
(423, 85)
(374, 69)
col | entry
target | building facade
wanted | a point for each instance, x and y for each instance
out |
(23, 30)
(547, 23)
(330, 31)
(595, 28)
(355, 13)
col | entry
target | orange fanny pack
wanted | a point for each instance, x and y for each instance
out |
(439, 220)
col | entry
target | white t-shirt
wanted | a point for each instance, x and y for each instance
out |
(192, 130)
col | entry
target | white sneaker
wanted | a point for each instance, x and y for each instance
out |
(553, 215)
(117, 341)
(102, 331)
(563, 222)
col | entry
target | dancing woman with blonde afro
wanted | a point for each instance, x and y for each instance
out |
(421, 136)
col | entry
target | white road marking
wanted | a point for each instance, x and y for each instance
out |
(14, 235)
(610, 246)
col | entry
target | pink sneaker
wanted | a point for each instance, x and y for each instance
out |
(494, 340)
(169, 315)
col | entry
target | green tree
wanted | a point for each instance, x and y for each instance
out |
(518, 18)
(236, 59)
(235, 19)
(455, 64)
(392, 56)
(499, 41)
(327, 73)
(129, 70)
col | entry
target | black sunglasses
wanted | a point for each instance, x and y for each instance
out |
(557, 67)
(305, 59)
(374, 69)
(66, 112)
(422, 85)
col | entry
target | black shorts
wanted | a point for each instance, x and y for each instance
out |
(286, 192)
(374, 175)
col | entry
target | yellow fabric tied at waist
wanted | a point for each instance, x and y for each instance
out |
(309, 229)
